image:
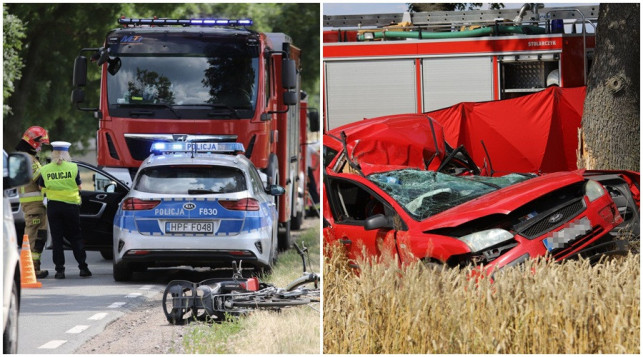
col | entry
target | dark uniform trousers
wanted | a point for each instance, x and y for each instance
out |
(64, 221)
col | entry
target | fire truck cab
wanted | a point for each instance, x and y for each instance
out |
(197, 80)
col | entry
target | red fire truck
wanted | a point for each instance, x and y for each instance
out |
(198, 80)
(431, 60)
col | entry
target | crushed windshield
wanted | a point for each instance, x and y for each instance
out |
(216, 75)
(426, 193)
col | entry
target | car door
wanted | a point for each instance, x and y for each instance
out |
(101, 194)
(351, 204)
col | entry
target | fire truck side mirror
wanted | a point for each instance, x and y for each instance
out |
(275, 190)
(288, 74)
(290, 98)
(77, 96)
(113, 65)
(313, 120)
(80, 72)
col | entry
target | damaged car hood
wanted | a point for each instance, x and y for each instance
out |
(393, 142)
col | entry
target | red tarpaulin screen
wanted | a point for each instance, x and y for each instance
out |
(533, 133)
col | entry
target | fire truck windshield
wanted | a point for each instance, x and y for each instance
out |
(183, 77)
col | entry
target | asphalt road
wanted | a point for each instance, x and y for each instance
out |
(63, 314)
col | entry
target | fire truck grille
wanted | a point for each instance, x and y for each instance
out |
(139, 148)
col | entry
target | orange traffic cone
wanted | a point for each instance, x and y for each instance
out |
(27, 271)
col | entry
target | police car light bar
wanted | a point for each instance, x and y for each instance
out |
(187, 22)
(199, 147)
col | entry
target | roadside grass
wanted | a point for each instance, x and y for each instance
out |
(293, 330)
(289, 266)
(539, 307)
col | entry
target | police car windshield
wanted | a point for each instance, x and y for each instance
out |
(190, 179)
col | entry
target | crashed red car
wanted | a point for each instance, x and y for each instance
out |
(420, 199)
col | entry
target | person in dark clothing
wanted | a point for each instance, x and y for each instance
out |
(61, 181)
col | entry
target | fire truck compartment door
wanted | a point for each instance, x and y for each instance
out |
(363, 89)
(448, 81)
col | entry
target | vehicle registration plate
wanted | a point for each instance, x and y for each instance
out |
(189, 227)
(561, 238)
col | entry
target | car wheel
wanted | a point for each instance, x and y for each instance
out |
(10, 335)
(122, 272)
(284, 238)
(107, 254)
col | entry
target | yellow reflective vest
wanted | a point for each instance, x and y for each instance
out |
(60, 182)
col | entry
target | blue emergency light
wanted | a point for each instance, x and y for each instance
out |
(187, 22)
(196, 147)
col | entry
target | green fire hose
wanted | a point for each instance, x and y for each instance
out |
(485, 31)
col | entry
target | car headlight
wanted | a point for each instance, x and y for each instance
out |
(593, 190)
(480, 240)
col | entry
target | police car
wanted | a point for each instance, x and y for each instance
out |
(196, 204)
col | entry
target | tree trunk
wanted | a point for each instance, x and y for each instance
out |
(609, 135)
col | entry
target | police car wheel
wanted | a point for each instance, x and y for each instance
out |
(122, 272)
(107, 254)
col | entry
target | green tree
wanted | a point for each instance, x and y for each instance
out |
(13, 33)
(56, 32)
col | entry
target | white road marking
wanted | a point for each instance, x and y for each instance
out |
(116, 305)
(146, 287)
(53, 344)
(133, 295)
(98, 316)
(78, 329)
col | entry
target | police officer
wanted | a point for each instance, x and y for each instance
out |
(62, 182)
(31, 197)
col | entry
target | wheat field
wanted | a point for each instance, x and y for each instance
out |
(539, 307)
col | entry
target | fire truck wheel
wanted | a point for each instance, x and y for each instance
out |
(285, 239)
(296, 222)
